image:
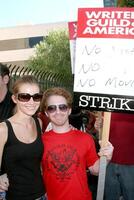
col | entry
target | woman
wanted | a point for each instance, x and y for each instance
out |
(20, 146)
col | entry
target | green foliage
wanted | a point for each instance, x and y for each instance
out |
(125, 3)
(53, 54)
(130, 3)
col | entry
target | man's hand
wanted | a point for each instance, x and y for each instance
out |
(106, 151)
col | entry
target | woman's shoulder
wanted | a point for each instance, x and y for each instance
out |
(3, 131)
(3, 126)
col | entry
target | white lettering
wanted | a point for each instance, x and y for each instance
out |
(109, 103)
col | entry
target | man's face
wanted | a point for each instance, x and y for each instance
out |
(4, 81)
(58, 110)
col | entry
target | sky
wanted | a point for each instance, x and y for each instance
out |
(30, 12)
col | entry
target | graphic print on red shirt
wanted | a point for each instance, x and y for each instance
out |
(63, 160)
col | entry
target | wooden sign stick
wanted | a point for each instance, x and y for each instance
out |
(103, 162)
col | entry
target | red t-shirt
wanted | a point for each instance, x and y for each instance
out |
(122, 138)
(66, 157)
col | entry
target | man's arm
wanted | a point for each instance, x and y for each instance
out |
(104, 151)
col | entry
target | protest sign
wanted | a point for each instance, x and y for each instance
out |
(104, 59)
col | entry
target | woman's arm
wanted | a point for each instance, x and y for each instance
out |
(4, 183)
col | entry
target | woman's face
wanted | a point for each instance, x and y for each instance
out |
(25, 103)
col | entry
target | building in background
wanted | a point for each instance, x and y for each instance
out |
(110, 3)
(17, 43)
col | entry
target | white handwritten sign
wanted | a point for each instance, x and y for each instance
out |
(105, 66)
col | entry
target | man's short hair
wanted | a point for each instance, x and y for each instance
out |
(4, 70)
(56, 91)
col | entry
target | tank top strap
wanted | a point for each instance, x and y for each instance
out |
(39, 130)
(11, 136)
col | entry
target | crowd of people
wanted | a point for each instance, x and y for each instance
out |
(39, 164)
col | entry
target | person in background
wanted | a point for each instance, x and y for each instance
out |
(75, 118)
(6, 103)
(21, 145)
(67, 152)
(120, 170)
(45, 120)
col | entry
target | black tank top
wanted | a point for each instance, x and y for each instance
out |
(22, 165)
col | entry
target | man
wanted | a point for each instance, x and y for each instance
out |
(6, 103)
(120, 171)
(67, 153)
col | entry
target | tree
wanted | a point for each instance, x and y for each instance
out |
(125, 3)
(53, 54)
